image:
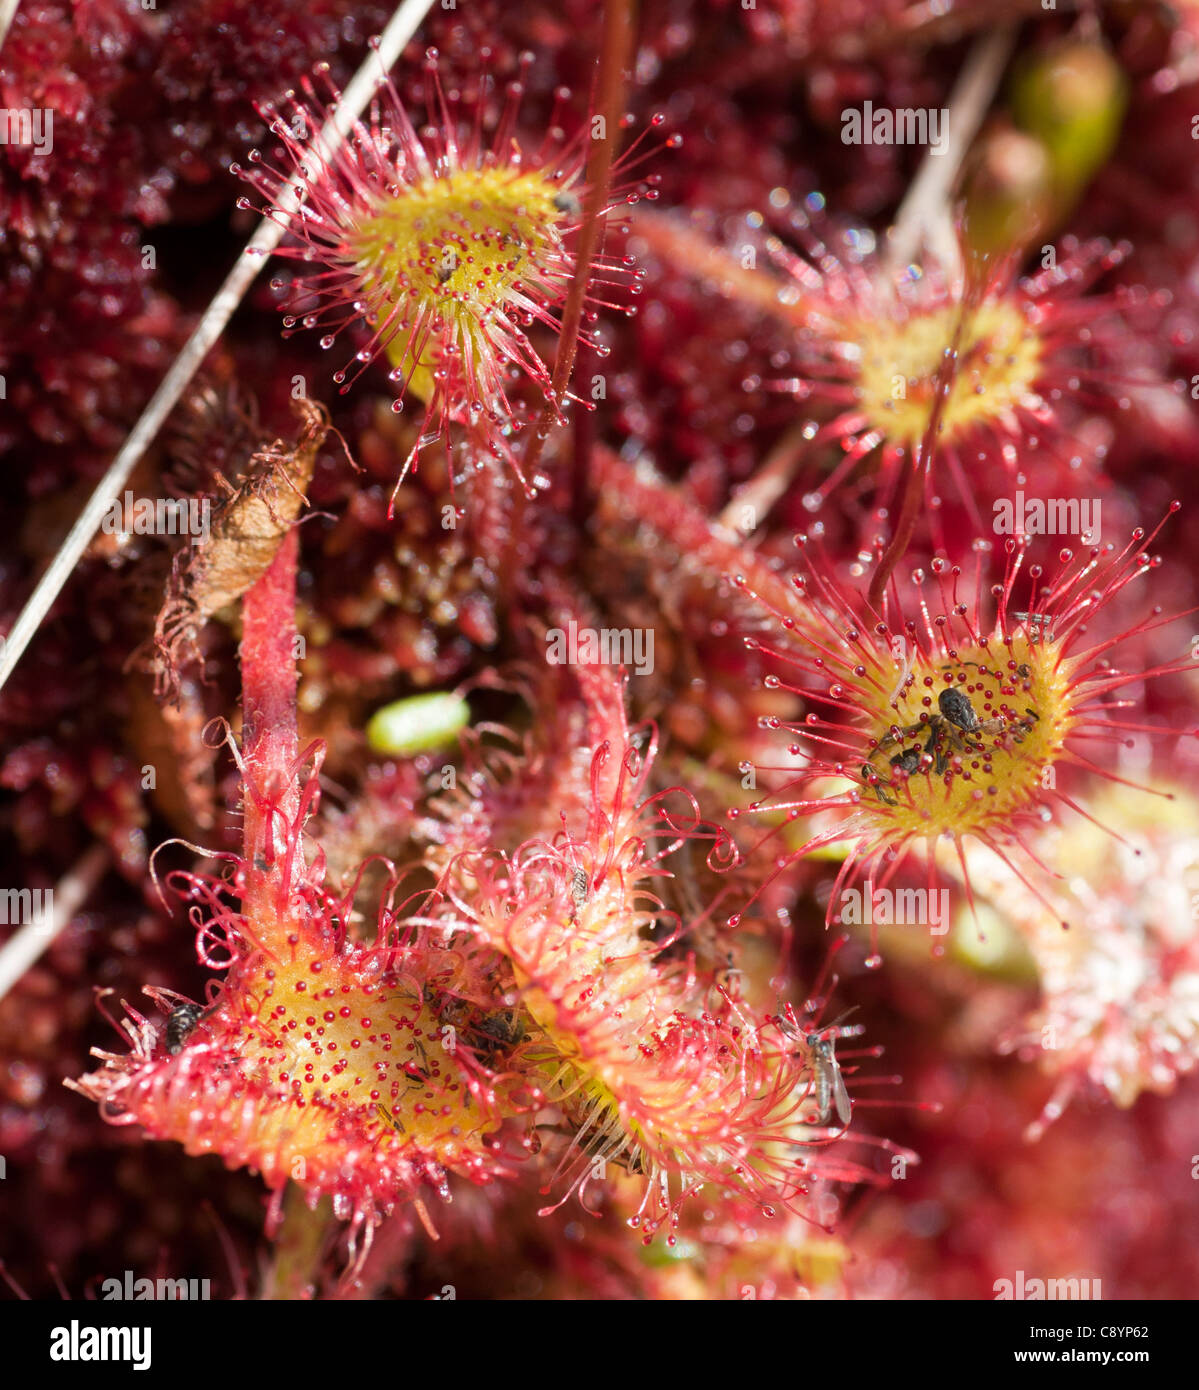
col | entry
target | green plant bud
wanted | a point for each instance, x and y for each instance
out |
(418, 723)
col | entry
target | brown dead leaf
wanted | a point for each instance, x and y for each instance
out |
(248, 525)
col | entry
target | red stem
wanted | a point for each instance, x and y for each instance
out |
(618, 34)
(618, 31)
(269, 737)
(919, 464)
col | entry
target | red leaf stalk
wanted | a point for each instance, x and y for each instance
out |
(268, 665)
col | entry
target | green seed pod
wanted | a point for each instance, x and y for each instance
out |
(1009, 190)
(1073, 99)
(418, 723)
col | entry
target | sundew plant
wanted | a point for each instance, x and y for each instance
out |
(599, 665)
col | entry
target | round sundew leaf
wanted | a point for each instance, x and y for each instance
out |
(417, 724)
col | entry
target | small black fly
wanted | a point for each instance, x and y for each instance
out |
(181, 1022)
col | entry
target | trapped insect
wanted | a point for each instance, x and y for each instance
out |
(831, 1092)
(944, 732)
(578, 887)
(389, 1118)
(957, 709)
(500, 1030)
(830, 1084)
(1037, 624)
(180, 1024)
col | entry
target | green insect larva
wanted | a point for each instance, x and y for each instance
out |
(417, 724)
